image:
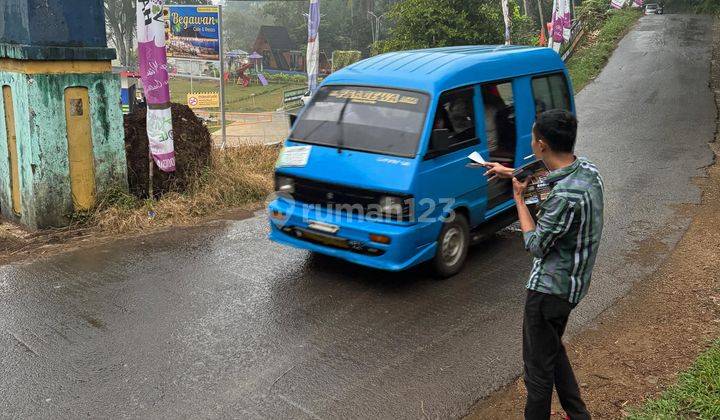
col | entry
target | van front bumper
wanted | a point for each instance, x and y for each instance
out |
(352, 240)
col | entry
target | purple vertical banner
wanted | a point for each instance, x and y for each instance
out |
(154, 75)
(558, 21)
(567, 20)
(313, 48)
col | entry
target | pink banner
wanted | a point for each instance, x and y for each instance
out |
(561, 21)
(152, 59)
(154, 74)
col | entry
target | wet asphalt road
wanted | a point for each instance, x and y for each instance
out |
(218, 322)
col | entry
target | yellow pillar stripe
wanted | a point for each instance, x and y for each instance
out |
(54, 67)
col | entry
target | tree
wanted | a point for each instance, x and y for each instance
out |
(343, 25)
(241, 24)
(439, 23)
(120, 20)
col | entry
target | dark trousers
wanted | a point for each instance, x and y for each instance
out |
(545, 360)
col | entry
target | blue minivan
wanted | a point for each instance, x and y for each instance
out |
(376, 168)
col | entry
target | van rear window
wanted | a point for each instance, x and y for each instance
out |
(376, 120)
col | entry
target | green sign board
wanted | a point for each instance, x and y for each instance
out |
(293, 97)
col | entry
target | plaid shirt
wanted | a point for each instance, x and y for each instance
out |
(566, 238)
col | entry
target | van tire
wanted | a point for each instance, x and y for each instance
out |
(452, 246)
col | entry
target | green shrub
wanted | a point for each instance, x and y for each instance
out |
(708, 7)
(342, 59)
(593, 13)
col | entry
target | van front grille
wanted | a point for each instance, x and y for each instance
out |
(341, 198)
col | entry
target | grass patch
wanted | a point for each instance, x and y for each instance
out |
(238, 177)
(588, 61)
(254, 98)
(696, 394)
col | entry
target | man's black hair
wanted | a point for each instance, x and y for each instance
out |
(557, 128)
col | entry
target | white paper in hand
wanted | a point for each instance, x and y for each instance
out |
(476, 157)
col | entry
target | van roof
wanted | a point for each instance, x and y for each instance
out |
(440, 69)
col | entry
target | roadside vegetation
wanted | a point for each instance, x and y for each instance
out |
(237, 178)
(696, 394)
(603, 30)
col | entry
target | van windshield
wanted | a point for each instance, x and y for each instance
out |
(376, 120)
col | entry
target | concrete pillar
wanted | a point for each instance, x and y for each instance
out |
(68, 127)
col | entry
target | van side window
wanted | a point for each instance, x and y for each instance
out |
(550, 92)
(499, 107)
(456, 113)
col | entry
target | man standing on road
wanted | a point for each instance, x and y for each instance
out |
(564, 243)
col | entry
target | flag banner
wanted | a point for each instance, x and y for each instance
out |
(567, 20)
(193, 32)
(506, 19)
(313, 48)
(154, 75)
(160, 134)
(558, 21)
(151, 51)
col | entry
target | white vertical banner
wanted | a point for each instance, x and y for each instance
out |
(313, 47)
(506, 19)
(152, 59)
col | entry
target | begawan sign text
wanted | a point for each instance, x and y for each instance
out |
(193, 32)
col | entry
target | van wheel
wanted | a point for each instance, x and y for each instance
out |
(452, 247)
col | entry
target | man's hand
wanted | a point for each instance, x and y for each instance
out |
(497, 170)
(519, 189)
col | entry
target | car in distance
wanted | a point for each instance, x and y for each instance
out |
(653, 9)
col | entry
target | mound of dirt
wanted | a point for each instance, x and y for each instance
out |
(193, 146)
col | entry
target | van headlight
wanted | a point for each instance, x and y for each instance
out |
(392, 206)
(284, 184)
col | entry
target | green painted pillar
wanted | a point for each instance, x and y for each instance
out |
(61, 129)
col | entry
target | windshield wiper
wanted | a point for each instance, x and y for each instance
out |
(341, 139)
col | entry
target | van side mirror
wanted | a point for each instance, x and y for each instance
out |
(440, 139)
(292, 118)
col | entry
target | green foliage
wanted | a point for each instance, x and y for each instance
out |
(440, 23)
(708, 7)
(286, 78)
(524, 31)
(241, 24)
(342, 59)
(588, 61)
(593, 13)
(696, 394)
(711, 7)
(344, 24)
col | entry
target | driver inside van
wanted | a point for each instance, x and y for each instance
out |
(460, 113)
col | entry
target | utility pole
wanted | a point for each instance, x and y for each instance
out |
(542, 16)
(375, 25)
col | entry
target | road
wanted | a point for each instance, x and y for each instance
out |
(216, 321)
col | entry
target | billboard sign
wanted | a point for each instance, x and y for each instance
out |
(193, 32)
